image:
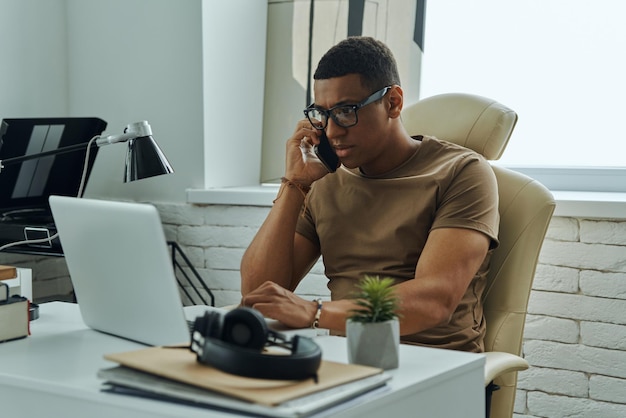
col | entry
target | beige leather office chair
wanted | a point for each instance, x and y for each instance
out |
(526, 208)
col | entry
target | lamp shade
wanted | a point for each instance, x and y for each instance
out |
(145, 159)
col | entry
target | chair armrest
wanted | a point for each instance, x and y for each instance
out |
(498, 363)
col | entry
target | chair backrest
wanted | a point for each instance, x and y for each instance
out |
(475, 122)
(525, 207)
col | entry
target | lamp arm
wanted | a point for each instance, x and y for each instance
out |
(15, 160)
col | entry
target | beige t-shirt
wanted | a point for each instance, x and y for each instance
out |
(379, 226)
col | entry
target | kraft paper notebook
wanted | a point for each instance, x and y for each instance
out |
(160, 365)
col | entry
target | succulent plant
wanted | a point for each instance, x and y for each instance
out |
(376, 299)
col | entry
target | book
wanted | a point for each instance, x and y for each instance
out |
(7, 272)
(14, 315)
(173, 374)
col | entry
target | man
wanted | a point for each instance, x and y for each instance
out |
(419, 210)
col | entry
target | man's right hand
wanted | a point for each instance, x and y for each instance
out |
(302, 165)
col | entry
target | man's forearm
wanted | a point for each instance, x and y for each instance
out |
(270, 255)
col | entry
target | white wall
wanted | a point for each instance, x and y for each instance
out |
(132, 60)
(33, 64)
(120, 60)
(234, 34)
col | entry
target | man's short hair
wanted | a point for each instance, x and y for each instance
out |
(366, 56)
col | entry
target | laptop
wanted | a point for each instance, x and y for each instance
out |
(122, 273)
(121, 270)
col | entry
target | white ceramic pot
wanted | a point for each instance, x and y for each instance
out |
(375, 344)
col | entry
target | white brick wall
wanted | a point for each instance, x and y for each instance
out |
(575, 338)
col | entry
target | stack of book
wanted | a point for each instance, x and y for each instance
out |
(173, 374)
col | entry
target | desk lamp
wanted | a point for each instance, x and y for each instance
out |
(144, 159)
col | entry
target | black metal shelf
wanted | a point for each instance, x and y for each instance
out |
(190, 289)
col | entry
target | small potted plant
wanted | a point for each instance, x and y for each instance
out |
(373, 329)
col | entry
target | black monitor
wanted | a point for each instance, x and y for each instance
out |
(26, 186)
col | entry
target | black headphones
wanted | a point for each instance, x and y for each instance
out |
(233, 343)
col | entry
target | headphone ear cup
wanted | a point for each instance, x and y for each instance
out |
(246, 328)
(209, 325)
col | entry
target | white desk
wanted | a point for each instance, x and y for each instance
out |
(52, 374)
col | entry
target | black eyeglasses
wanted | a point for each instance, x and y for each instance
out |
(343, 115)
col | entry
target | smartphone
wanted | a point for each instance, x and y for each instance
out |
(326, 154)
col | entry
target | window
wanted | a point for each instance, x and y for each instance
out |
(558, 63)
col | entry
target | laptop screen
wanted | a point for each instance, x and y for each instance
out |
(25, 187)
